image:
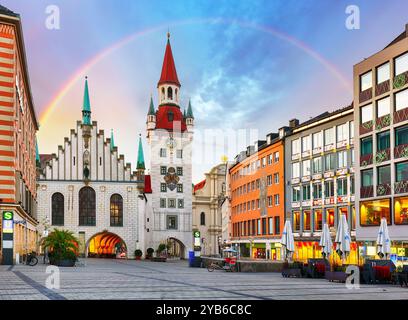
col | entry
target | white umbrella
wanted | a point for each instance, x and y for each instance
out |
(326, 242)
(343, 237)
(383, 239)
(287, 241)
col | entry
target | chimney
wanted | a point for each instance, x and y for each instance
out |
(293, 123)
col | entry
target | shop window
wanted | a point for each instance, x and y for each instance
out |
(306, 221)
(296, 221)
(318, 220)
(342, 210)
(371, 212)
(401, 210)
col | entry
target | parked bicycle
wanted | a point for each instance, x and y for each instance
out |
(31, 259)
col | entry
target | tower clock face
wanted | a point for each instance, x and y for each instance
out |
(171, 143)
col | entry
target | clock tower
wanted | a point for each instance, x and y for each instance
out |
(170, 136)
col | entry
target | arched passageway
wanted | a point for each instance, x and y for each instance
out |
(106, 245)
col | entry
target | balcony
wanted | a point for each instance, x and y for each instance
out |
(401, 151)
(384, 189)
(383, 122)
(366, 95)
(366, 192)
(401, 115)
(366, 127)
(382, 87)
(382, 155)
(401, 187)
(366, 160)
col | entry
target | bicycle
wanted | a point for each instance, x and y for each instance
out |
(228, 267)
(31, 259)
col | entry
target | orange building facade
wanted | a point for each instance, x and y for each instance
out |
(258, 198)
(18, 127)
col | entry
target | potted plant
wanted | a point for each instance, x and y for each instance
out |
(149, 253)
(62, 246)
(138, 254)
(160, 253)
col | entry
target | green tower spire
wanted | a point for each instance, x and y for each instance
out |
(140, 156)
(151, 108)
(112, 142)
(190, 110)
(86, 107)
(184, 114)
(37, 154)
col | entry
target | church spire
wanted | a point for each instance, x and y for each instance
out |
(112, 141)
(140, 157)
(37, 154)
(86, 107)
(190, 110)
(151, 108)
(169, 73)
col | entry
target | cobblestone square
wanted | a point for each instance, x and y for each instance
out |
(130, 279)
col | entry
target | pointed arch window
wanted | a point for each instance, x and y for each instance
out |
(57, 209)
(169, 93)
(87, 207)
(202, 218)
(116, 210)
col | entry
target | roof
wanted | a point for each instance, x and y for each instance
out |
(401, 36)
(189, 111)
(162, 118)
(199, 185)
(148, 184)
(6, 11)
(169, 73)
(151, 108)
(140, 157)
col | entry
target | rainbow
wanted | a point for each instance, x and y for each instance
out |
(81, 72)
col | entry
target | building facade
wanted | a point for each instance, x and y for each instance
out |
(88, 188)
(208, 197)
(320, 179)
(170, 136)
(258, 198)
(18, 127)
(381, 125)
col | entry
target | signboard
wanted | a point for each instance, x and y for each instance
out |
(8, 223)
(197, 239)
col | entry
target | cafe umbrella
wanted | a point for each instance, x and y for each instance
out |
(287, 240)
(383, 240)
(343, 238)
(326, 242)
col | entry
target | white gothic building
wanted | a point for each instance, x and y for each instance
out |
(88, 188)
(170, 135)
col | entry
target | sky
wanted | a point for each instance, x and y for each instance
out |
(247, 66)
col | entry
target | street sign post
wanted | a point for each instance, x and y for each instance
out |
(8, 231)
(197, 243)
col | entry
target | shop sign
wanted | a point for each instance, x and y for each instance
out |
(317, 202)
(342, 199)
(306, 203)
(401, 252)
(329, 201)
(8, 223)
(197, 239)
(295, 204)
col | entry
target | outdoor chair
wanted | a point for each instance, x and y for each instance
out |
(316, 268)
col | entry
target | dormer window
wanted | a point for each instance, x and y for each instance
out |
(170, 115)
(169, 93)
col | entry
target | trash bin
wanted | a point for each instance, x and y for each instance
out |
(197, 262)
(190, 258)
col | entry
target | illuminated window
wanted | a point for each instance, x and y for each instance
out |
(116, 210)
(306, 220)
(318, 220)
(401, 210)
(330, 217)
(296, 221)
(371, 212)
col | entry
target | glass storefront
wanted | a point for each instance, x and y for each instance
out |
(330, 217)
(306, 220)
(371, 212)
(401, 210)
(296, 221)
(399, 252)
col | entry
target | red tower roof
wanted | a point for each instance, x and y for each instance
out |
(166, 115)
(169, 73)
